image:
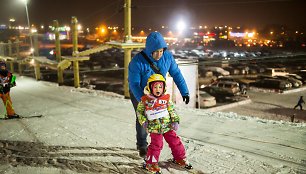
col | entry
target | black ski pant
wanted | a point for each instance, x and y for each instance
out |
(141, 134)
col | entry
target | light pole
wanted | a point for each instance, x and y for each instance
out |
(29, 26)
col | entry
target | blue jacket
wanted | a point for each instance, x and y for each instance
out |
(140, 70)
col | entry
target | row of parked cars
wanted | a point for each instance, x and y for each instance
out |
(280, 79)
(232, 87)
(277, 82)
(205, 53)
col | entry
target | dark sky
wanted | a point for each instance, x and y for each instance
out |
(150, 13)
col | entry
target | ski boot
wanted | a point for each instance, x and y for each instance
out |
(183, 163)
(142, 151)
(12, 116)
(152, 168)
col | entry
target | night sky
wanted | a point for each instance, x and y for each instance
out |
(152, 13)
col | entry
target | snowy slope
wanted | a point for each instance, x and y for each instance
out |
(85, 131)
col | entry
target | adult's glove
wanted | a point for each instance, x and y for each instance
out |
(175, 126)
(11, 85)
(186, 99)
(145, 125)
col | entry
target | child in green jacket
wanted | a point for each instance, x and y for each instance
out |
(7, 81)
(156, 114)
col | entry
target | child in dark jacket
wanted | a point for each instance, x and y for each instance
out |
(156, 114)
(7, 81)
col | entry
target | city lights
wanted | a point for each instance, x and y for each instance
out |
(181, 25)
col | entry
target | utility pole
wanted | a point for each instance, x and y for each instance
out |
(74, 23)
(36, 54)
(18, 56)
(127, 39)
(127, 45)
(57, 41)
(127, 21)
(29, 25)
(60, 76)
(10, 45)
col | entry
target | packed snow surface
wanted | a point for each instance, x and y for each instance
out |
(87, 131)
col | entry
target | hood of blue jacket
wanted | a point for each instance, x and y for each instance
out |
(154, 42)
(140, 70)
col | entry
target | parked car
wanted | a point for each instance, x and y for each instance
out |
(296, 77)
(223, 90)
(218, 71)
(233, 71)
(229, 86)
(272, 84)
(276, 72)
(302, 73)
(206, 100)
(295, 83)
(242, 85)
(275, 78)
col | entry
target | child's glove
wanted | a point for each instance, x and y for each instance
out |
(175, 126)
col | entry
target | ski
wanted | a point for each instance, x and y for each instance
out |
(22, 117)
(166, 165)
(31, 116)
(171, 164)
(187, 167)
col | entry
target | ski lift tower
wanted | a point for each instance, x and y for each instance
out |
(127, 45)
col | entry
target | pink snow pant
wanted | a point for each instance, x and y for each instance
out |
(156, 145)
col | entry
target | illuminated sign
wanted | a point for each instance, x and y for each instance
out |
(210, 34)
(3, 26)
(51, 36)
(237, 34)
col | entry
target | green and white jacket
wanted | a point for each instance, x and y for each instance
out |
(158, 112)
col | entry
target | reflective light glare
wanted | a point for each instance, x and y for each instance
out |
(67, 28)
(250, 34)
(181, 25)
(79, 27)
(32, 62)
(24, 1)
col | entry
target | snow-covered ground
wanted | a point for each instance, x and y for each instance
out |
(85, 131)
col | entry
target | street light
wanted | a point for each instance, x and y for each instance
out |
(26, 7)
(181, 26)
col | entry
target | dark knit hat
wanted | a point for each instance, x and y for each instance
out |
(2, 63)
